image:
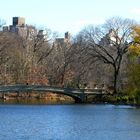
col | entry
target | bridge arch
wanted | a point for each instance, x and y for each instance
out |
(63, 91)
(76, 98)
(41, 88)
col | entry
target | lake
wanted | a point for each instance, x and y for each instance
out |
(69, 122)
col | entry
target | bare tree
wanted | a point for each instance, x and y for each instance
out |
(109, 43)
(23, 55)
(59, 63)
(80, 64)
(37, 47)
(8, 44)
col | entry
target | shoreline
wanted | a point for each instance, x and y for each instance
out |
(50, 102)
(35, 98)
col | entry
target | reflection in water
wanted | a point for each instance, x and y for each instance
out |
(36, 101)
(69, 122)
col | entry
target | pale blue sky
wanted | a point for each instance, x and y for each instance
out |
(68, 15)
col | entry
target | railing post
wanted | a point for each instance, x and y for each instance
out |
(83, 97)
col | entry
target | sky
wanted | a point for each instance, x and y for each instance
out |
(68, 15)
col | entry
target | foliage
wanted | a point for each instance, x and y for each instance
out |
(134, 49)
(134, 54)
(134, 66)
(137, 96)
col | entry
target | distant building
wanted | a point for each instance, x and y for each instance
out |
(110, 38)
(18, 21)
(59, 41)
(106, 40)
(67, 37)
(5, 28)
(19, 27)
(40, 34)
(63, 41)
(13, 29)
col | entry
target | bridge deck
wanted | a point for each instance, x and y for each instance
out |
(43, 88)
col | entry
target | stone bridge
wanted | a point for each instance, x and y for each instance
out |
(79, 95)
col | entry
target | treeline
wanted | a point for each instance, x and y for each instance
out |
(104, 56)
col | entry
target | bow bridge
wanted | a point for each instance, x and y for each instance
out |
(79, 95)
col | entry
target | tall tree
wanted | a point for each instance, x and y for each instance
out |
(59, 63)
(37, 47)
(109, 43)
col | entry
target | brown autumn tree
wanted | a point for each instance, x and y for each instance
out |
(37, 46)
(8, 44)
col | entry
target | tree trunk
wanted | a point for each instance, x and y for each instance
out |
(115, 83)
(115, 80)
(63, 76)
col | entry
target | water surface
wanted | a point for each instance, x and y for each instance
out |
(69, 122)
